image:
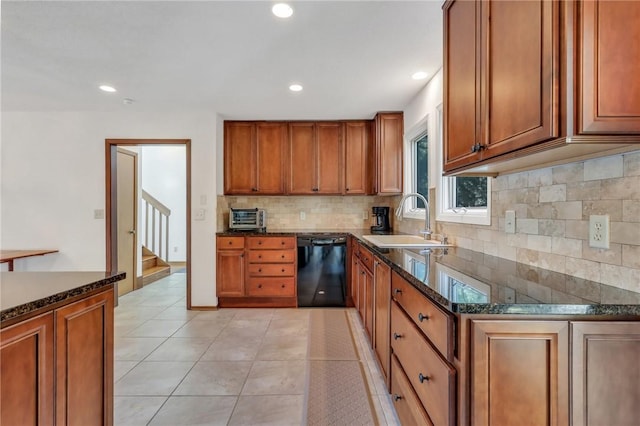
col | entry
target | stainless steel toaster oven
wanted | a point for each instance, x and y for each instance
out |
(247, 219)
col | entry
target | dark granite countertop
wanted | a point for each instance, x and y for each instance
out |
(467, 282)
(23, 293)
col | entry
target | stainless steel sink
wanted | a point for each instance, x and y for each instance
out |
(403, 241)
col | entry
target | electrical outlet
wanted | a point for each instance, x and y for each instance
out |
(365, 214)
(599, 231)
(510, 222)
(303, 216)
(98, 214)
(200, 214)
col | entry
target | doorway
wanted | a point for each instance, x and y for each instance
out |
(113, 237)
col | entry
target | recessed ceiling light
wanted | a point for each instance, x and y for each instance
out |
(106, 88)
(127, 101)
(295, 88)
(282, 10)
(420, 75)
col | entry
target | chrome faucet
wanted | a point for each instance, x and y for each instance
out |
(427, 231)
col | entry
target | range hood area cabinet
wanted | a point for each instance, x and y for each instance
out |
(254, 157)
(347, 157)
(536, 83)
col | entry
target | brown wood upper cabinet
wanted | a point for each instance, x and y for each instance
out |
(608, 67)
(501, 77)
(389, 143)
(358, 158)
(316, 161)
(524, 77)
(254, 157)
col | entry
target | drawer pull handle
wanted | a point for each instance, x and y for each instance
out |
(422, 317)
(423, 378)
(282, 257)
(260, 270)
(397, 397)
(396, 336)
(259, 285)
(282, 243)
(283, 286)
(282, 269)
(397, 291)
(230, 242)
(259, 243)
(259, 256)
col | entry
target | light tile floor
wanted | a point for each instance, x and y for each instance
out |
(227, 367)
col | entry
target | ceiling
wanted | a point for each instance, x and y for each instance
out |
(232, 57)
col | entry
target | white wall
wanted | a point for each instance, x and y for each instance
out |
(53, 178)
(164, 177)
(423, 105)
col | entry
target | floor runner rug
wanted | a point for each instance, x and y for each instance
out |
(337, 392)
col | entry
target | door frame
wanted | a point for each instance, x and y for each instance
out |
(111, 147)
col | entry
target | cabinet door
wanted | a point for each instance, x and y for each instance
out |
(520, 76)
(303, 165)
(389, 143)
(26, 372)
(84, 361)
(271, 143)
(330, 158)
(230, 273)
(382, 299)
(609, 66)
(605, 375)
(461, 83)
(239, 158)
(519, 372)
(358, 154)
(355, 273)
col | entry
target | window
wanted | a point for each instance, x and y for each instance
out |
(416, 168)
(462, 199)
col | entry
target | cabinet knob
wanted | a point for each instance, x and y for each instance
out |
(397, 291)
(259, 285)
(282, 269)
(283, 285)
(422, 317)
(397, 397)
(477, 147)
(230, 242)
(260, 270)
(259, 256)
(259, 243)
(315, 189)
(254, 189)
(281, 243)
(423, 378)
(282, 257)
(396, 336)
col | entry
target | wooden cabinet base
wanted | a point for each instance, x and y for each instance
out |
(257, 302)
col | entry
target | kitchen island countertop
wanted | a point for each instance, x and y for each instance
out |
(25, 294)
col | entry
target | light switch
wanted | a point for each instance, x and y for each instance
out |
(203, 200)
(98, 214)
(510, 222)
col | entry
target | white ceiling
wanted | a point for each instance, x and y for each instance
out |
(232, 57)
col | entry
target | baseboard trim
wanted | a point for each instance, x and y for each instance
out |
(203, 308)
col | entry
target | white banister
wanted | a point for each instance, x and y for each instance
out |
(156, 231)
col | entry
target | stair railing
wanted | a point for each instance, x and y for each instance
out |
(156, 220)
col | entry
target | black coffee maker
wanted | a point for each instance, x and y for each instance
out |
(380, 219)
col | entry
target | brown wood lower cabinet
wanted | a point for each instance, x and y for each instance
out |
(57, 368)
(256, 271)
(605, 378)
(27, 372)
(519, 372)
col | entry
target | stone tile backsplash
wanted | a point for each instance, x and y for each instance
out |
(552, 208)
(321, 212)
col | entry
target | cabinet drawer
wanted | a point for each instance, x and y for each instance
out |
(273, 287)
(366, 257)
(271, 270)
(225, 243)
(431, 377)
(272, 256)
(271, 242)
(405, 400)
(436, 324)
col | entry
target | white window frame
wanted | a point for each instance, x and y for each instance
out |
(444, 188)
(417, 131)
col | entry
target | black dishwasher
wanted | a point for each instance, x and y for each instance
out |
(321, 270)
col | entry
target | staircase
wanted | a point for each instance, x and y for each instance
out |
(153, 267)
